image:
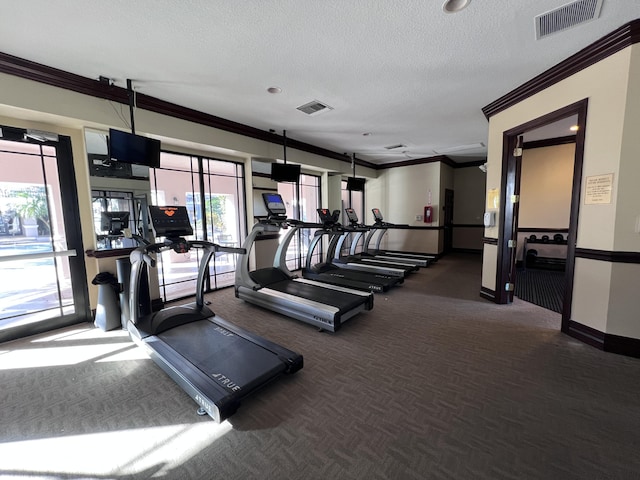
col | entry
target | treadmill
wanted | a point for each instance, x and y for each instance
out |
(380, 227)
(325, 306)
(214, 361)
(328, 272)
(363, 261)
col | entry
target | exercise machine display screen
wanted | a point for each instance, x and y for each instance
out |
(170, 221)
(114, 222)
(351, 215)
(377, 215)
(325, 215)
(274, 203)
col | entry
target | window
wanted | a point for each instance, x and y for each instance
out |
(213, 192)
(105, 202)
(42, 270)
(302, 204)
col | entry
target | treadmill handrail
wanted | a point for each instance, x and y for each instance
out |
(141, 255)
(333, 230)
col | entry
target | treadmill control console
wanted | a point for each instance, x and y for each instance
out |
(170, 221)
(328, 218)
(274, 203)
(351, 215)
(377, 215)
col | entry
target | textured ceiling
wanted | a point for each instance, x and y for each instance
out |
(403, 71)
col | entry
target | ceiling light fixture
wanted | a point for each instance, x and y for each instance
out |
(274, 90)
(574, 128)
(454, 6)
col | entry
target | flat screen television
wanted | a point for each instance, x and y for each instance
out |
(285, 172)
(129, 148)
(355, 184)
(114, 222)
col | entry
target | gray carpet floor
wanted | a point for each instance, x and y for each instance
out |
(433, 383)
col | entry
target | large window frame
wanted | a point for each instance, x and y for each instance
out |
(213, 191)
(303, 199)
(47, 251)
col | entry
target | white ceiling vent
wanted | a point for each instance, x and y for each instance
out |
(393, 147)
(567, 16)
(314, 108)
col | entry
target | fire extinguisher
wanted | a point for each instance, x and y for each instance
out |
(428, 211)
(428, 214)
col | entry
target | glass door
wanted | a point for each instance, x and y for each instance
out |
(42, 271)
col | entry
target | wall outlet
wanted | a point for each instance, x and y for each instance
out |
(418, 218)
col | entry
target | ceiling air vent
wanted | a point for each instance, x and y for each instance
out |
(567, 16)
(314, 108)
(393, 147)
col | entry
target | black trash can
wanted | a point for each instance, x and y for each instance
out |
(108, 309)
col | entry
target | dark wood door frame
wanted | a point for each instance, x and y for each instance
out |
(448, 220)
(508, 210)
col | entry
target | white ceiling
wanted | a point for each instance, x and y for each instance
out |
(403, 71)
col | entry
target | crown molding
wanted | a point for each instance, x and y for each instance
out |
(619, 39)
(38, 72)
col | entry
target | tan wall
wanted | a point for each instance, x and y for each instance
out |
(627, 194)
(624, 305)
(419, 241)
(446, 183)
(545, 195)
(613, 120)
(467, 238)
(405, 192)
(489, 266)
(545, 189)
(469, 186)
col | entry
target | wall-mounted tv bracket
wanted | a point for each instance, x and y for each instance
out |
(132, 101)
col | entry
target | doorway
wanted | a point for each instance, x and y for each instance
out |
(42, 271)
(510, 192)
(448, 221)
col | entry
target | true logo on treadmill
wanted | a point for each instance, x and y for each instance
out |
(203, 403)
(226, 382)
(323, 320)
(224, 332)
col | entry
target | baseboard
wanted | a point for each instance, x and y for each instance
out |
(607, 342)
(622, 345)
(585, 334)
(467, 250)
(488, 294)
